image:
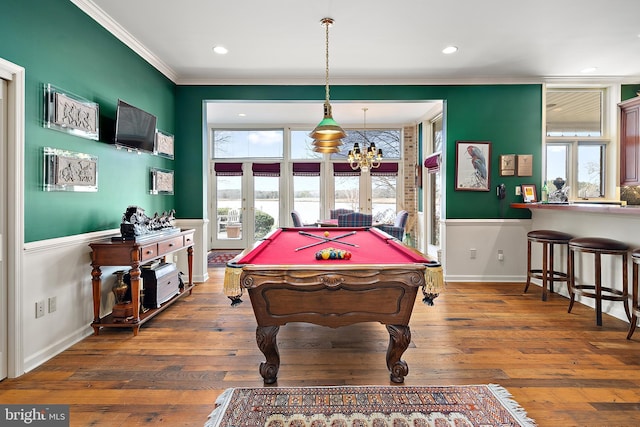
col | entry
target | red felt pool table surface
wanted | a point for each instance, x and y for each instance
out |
(284, 247)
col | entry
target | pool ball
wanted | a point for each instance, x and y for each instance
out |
(326, 234)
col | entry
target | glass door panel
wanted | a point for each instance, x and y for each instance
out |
(347, 192)
(229, 209)
(383, 198)
(266, 202)
(306, 198)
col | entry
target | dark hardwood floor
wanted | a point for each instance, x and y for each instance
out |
(560, 367)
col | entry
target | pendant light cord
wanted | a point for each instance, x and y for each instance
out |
(327, 23)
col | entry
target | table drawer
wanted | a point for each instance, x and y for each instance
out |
(149, 252)
(188, 239)
(170, 245)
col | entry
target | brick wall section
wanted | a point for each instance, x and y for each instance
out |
(409, 202)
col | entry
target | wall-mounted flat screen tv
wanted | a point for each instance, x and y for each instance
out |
(135, 128)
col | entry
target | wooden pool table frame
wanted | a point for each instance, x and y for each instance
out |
(334, 296)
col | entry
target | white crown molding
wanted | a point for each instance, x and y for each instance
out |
(292, 81)
(575, 80)
(98, 15)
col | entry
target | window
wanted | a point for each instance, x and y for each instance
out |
(388, 140)
(384, 193)
(233, 144)
(346, 186)
(575, 113)
(576, 142)
(302, 145)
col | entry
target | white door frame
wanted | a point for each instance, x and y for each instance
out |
(14, 203)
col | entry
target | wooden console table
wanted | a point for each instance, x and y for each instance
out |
(135, 253)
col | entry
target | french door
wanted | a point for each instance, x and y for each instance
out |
(245, 203)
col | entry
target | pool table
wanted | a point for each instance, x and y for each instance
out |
(376, 282)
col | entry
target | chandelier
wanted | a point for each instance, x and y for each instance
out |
(327, 136)
(368, 157)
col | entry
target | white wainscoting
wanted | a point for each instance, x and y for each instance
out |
(61, 268)
(487, 237)
(200, 250)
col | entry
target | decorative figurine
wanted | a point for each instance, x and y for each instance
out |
(136, 223)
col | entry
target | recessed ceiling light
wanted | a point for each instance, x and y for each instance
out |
(242, 115)
(588, 70)
(221, 50)
(449, 50)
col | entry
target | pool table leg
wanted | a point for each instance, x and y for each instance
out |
(399, 339)
(266, 339)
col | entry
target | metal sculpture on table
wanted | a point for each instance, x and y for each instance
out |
(136, 223)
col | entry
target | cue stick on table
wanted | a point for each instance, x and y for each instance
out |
(327, 240)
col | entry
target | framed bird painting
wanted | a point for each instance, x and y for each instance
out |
(473, 165)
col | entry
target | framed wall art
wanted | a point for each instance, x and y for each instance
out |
(69, 171)
(472, 165)
(529, 194)
(161, 181)
(70, 113)
(525, 164)
(164, 144)
(507, 165)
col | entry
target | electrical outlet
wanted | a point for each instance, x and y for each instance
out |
(517, 190)
(53, 304)
(39, 309)
(472, 253)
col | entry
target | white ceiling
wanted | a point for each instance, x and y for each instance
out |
(376, 42)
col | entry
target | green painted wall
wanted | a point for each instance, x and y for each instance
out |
(509, 116)
(629, 91)
(57, 43)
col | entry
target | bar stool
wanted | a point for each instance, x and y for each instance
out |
(635, 301)
(548, 238)
(598, 246)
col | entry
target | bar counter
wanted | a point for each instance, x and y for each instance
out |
(609, 220)
(613, 208)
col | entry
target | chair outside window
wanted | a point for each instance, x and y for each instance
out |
(397, 228)
(355, 219)
(335, 213)
(232, 217)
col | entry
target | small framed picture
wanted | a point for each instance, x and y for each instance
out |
(164, 144)
(529, 193)
(525, 165)
(161, 181)
(507, 165)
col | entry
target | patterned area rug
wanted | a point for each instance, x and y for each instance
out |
(455, 406)
(219, 257)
